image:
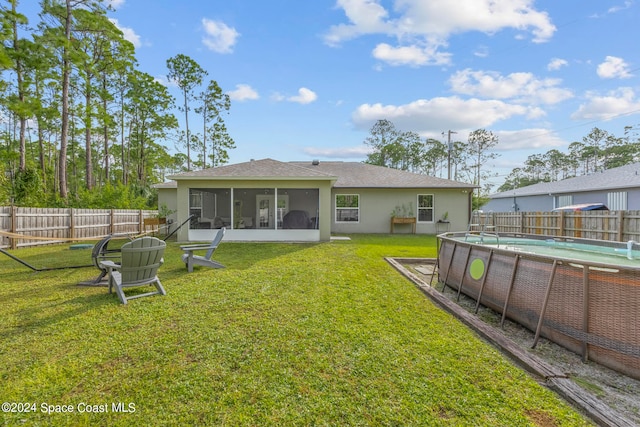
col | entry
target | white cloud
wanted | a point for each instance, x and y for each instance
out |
(277, 97)
(243, 92)
(481, 52)
(614, 67)
(556, 64)
(433, 115)
(429, 24)
(366, 17)
(444, 17)
(219, 37)
(615, 9)
(620, 102)
(520, 87)
(304, 96)
(128, 33)
(410, 55)
(163, 80)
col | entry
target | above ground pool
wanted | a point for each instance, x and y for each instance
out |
(582, 294)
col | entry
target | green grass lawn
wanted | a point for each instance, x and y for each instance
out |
(286, 334)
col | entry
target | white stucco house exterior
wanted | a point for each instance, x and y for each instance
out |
(269, 200)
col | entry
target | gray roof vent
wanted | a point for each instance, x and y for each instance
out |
(315, 162)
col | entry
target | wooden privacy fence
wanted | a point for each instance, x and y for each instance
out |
(620, 226)
(41, 226)
(57, 225)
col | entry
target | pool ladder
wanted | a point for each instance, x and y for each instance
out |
(477, 225)
(629, 249)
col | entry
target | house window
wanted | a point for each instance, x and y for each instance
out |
(425, 207)
(347, 208)
(617, 200)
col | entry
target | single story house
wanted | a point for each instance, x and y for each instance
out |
(617, 188)
(269, 200)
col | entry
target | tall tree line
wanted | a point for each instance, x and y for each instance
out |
(597, 151)
(467, 160)
(80, 123)
(462, 161)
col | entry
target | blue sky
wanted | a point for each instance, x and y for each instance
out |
(308, 79)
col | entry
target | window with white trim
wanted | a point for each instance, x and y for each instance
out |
(347, 208)
(425, 207)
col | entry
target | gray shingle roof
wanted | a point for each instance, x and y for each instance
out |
(255, 169)
(345, 174)
(362, 175)
(167, 184)
(610, 179)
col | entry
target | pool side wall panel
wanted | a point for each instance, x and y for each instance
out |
(601, 307)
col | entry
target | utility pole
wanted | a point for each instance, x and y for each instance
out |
(449, 152)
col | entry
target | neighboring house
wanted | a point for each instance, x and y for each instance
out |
(617, 188)
(268, 200)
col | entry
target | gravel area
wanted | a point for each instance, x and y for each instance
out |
(619, 392)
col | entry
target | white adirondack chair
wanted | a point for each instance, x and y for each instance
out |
(190, 259)
(139, 263)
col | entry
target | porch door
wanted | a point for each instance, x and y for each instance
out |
(283, 208)
(265, 210)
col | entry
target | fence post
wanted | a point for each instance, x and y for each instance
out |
(562, 226)
(112, 216)
(140, 222)
(72, 224)
(577, 224)
(620, 226)
(521, 222)
(14, 227)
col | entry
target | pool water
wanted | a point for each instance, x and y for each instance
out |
(627, 255)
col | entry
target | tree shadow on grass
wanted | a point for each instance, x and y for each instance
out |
(44, 259)
(233, 255)
(38, 299)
